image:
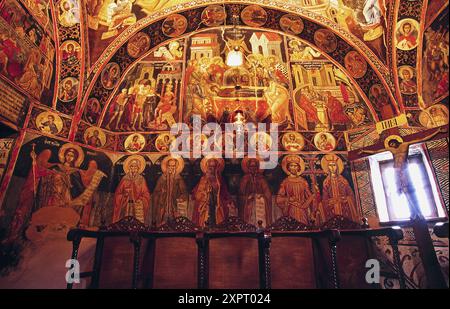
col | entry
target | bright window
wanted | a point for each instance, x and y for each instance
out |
(392, 204)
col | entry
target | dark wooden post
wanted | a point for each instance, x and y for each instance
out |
(202, 261)
(394, 237)
(264, 240)
(136, 240)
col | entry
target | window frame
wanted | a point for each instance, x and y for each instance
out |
(381, 206)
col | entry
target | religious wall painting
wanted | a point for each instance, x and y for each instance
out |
(337, 195)
(435, 65)
(434, 116)
(25, 65)
(110, 75)
(40, 9)
(170, 196)
(214, 15)
(172, 51)
(134, 143)
(148, 98)
(174, 25)
(68, 89)
(261, 141)
(70, 52)
(324, 141)
(68, 13)
(255, 196)
(49, 123)
(163, 142)
(26, 27)
(407, 82)
(212, 201)
(218, 91)
(95, 137)
(355, 64)
(254, 16)
(293, 141)
(325, 98)
(299, 51)
(53, 173)
(291, 24)
(92, 110)
(406, 34)
(107, 19)
(294, 196)
(132, 196)
(325, 40)
(138, 44)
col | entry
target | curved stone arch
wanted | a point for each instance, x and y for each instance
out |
(371, 77)
(146, 54)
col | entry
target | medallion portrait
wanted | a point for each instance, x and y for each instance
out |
(110, 75)
(134, 143)
(355, 64)
(291, 23)
(50, 123)
(174, 25)
(214, 15)
(293, 141)
(94, 137)
(325, 141)
(138, 44)
(406, 34)
(254, 16)
(68, 89)
(325, 40)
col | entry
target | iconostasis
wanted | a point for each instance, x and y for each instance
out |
(93, 88)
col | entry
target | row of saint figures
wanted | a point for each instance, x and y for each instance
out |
(210, 202)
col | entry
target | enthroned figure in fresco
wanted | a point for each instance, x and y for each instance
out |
(294, 196)
(211, 197)
(170, 191)
(337, 195)
(254, 194)
(132, 196)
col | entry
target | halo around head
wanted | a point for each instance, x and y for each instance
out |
(327, 159)
(134, 158)
(246, 161)
(180, 163)
(220, 162)
(65, 147)
(292, 159)
(390, 138)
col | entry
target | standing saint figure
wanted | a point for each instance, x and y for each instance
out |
(337, 195)
(211, 197)
(294, 196)
(170, 191)
(132, 196)
(254, 194)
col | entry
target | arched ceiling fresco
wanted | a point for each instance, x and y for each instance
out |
(377, 52)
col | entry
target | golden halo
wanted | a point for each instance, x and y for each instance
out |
(390, 138)
(299, 141)
(139, 159)
(292, 159)
(404, 68)
(246, 160)
(42, 117)
(180, 164)
(331, 158)
(65, 147)
(220, 161)
(101, 135)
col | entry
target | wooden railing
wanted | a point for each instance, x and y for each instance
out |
(244, 249)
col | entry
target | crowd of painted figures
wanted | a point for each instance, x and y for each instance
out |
(65, 184)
